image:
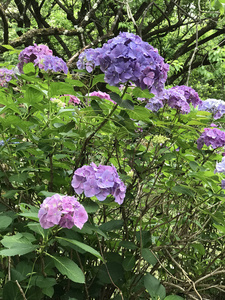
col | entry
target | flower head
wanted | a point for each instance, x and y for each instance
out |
(5, 76)
(216, 107)
(127, 58)
(64, 211)
(99, 181)
(50, 62)
(213, 137)
(220, 167)
(30, 53)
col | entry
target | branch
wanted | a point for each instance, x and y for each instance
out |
(39, 32)
(5, 25)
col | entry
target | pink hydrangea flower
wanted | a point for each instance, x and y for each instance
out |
(64, 211)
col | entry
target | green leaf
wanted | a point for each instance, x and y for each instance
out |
(173, 297)
(98, 78)
(18, 249)
(148, 256)
(60, 88)
(129, 263)
(11, 291)
(154, 287)
(127, 245)
(181, 189)
(5, 221)
(28, 68)
(68, 267)
(140, 113)
(30, 215)
(82, 246)
(18, 178)
(199, 247)
(115, 97)
(111, 225)
(127, 104)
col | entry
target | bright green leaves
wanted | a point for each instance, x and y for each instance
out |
(18, 244)
(218, 5)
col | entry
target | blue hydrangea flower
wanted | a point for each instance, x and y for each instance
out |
(215, 106)
(127, 58)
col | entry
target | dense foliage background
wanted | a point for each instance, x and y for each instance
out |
(166, 241)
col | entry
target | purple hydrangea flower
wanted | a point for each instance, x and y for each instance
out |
(64, 211)
(30, 53)
(50, 62)
(102, 95)
(216, 107)
(5, 76)
(154, 104)
(220, 167)
(88, 59)
(99, 181)
(191, 95)
(178, 97)
(213, 137)
(127, 58)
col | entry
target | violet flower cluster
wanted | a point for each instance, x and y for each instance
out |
(42, 57)
(178, 97)
(216, 107)
(102, 95)
(99, 181)
(5, 76)
(213, 137)
(50, 62)
(127, 58)
(64, 211)
(30, 53)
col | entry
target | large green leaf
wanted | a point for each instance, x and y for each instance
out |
(82, 246)
(68, 267)
(154, 287)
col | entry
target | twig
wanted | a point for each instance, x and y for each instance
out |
(21, 290)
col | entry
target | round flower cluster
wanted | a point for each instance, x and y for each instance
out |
(220, 167)
(216, 107)
(51, 62)
(213, 137)
(99, 181)
(127, 58)
(88, 59)
(64, 211)
(42, 57)
(190, 94)
(102, 95)
(178, 97)
(5, 76)
(30, 53)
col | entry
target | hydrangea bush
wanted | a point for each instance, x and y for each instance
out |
(111, 193)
